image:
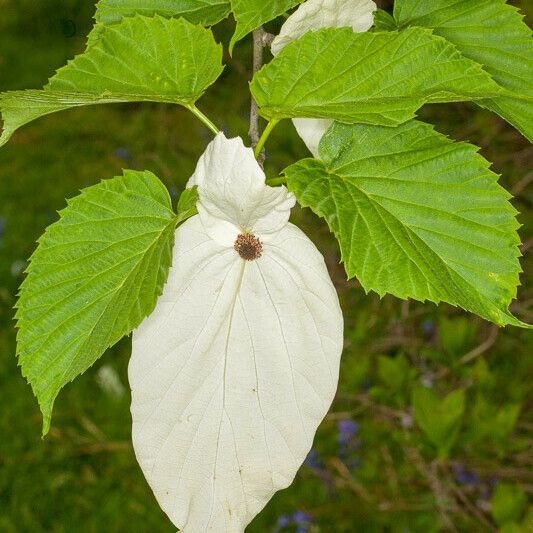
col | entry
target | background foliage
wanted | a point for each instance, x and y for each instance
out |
(432, 426)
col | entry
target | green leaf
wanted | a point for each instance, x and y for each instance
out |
(504, 422)
(491, 423)
(440, 420)
(94, 276)
(416, 215)
(457, 336)
(205, 12)
(384, 21)
(395, 374)
(373, 78)
(512, 527)
(250, 14)
(140, 59)
(187, 204)
(492, 33)
(508, 503)
(527, 524)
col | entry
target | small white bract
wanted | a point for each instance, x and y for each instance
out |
(238, 364)
(311, 16)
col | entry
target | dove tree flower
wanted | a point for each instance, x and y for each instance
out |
(237, 329)
(238, 364)
(313, 15)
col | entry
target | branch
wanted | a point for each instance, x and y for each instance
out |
(442, 497)
(472, 354)
(261, 40)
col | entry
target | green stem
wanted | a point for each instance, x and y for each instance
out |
(266, 134)
(203, 118)
(273, 182)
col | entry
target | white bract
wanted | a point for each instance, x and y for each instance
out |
(311, 16)
(238, 364)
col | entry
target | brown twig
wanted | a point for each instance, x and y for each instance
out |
(253, 132)
(384, 410)
(442, 499)
(472, 354)
(522, 184)
(525, 246)
(346, 479)
(392, 475)
(261, 39)
(482, 348)
(468, 505)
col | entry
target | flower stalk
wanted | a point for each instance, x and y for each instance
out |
(259, 148)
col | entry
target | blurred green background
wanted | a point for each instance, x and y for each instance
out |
(432, 426)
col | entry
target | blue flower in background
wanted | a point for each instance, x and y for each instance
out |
(464, 476)
(300, 519)
(123, 153)
(283, 522)
(317, 466)
(348, 442)
(348, 429)
(313, 460)
(428, 327)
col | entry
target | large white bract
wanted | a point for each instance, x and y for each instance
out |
(238, 364)
(311, 16)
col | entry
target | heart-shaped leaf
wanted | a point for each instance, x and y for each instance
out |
(140, 59)
(492, 33)
(416, 215)
(205, 12)
(95, 275)
(374, 78)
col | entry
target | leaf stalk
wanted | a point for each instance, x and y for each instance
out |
(205, 120)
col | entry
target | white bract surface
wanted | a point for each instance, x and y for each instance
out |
(238, 364)
(311, 16)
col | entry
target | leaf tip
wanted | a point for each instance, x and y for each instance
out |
(231, 46)
(46, 425)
